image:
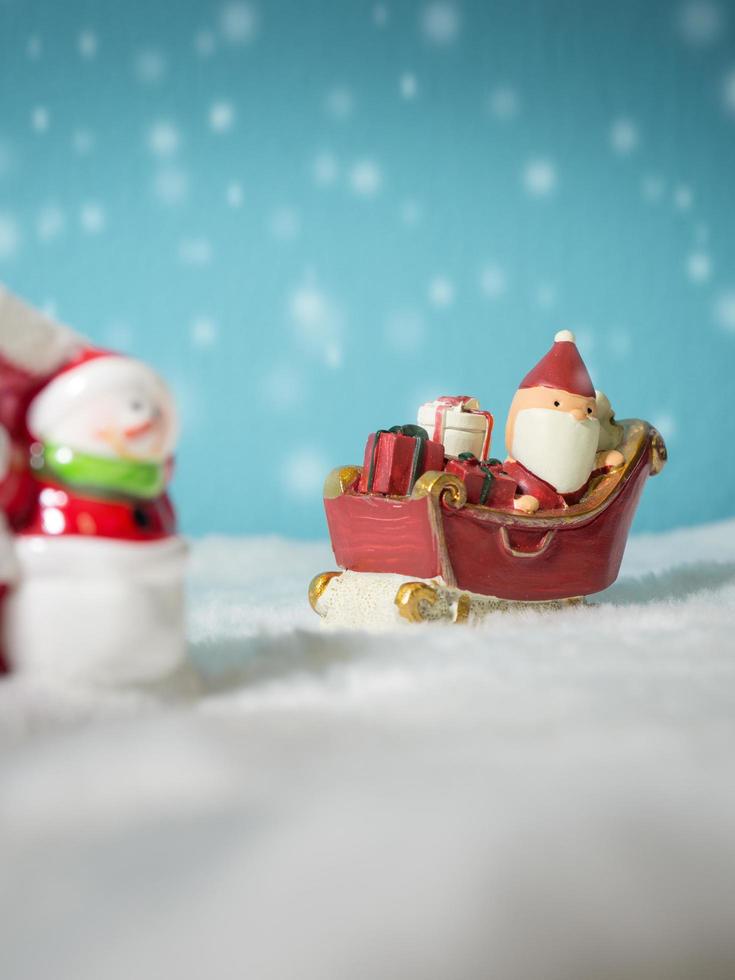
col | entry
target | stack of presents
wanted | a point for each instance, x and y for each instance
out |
(453, 435)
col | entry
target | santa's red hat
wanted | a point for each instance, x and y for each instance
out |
(561, 368)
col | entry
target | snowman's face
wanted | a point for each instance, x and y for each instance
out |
(135, 422)
(127, 412)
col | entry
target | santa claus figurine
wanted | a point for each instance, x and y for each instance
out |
(553, 432)
(100, 588)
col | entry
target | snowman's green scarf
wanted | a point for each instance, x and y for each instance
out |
(127, 477)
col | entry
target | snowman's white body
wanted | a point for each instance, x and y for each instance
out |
(97, 609)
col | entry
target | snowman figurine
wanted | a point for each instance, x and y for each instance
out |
(101, 568)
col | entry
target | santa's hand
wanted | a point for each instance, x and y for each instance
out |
(612, 459)
(527, 504)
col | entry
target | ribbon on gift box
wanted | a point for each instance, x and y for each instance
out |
(412, 431)
(489, 479)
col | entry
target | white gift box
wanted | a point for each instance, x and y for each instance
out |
(459, 423)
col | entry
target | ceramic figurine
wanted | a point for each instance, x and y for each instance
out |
(100, 565)
(546, 527)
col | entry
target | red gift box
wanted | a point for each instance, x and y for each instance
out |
(395, 458)
(486, 483)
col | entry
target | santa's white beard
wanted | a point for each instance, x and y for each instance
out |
(556, 447)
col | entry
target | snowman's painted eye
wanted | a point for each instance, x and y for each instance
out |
(136, 406)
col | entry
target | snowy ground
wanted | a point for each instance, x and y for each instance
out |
(549, 796)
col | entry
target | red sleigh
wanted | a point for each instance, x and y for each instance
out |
(551, 556)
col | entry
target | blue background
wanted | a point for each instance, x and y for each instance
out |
(312, 216)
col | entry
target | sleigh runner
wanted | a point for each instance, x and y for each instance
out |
(445, 558)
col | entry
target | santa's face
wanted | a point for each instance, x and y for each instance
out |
(115, 408)
(554, 434)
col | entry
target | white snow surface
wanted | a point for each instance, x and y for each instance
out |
(545, 796)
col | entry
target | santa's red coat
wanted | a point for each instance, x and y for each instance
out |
(547, 496)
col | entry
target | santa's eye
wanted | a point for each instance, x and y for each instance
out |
(589, 411)
(557, 404)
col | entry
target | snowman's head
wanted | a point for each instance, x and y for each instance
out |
(107, 405)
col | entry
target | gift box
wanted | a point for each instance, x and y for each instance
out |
(395, 458)
(486, 482)
(459, 423)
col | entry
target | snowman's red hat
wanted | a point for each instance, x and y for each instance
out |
(561, 368)
(91, 372)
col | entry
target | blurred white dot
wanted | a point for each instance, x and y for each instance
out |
(404, 330)
(493, 280)
(40, 119)
(318, 322)
(195, 251)
(366, 178)
(163, 138)
(539, 178)
(339, 102)
(325, 169)
(205, 44)
(408, 85)
(221, 116)
(9, 236)
(92, 218)
(504, 102)
(440, 22)
(149, 66)
(82, 141)
(724, 310)
(652, 189)
(34, 47)
(666, 424)
(546, 296)
(441, 292)
(235, 194)
(623, 136)
(284, 224)
(728, 91)
(699, 267)
(699, 22)
(239, 22)
(380, 15)
(683, 197)
(50, 222)
(303, 473)
(171, 185)
(87, 44)
(333, 355)
(411, 212)
(204, 333)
